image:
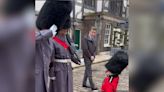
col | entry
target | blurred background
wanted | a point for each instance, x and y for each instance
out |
(146, 45)
(17, 46)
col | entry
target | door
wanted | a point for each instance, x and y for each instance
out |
(77, 39)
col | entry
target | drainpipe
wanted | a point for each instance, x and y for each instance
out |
(73, 18)
(98, 27)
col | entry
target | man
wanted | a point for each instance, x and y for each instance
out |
(89, 52)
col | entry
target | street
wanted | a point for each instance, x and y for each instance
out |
(98, 76)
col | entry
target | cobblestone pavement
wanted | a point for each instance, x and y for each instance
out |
(98, 76)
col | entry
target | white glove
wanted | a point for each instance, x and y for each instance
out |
(53, 28)
(92, 58)
(52, 78)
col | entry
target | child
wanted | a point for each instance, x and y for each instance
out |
(114, 67)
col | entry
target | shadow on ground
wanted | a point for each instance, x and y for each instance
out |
(100, 91)
(95, 70)
(122, 91)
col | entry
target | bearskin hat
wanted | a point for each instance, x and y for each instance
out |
(54, 12)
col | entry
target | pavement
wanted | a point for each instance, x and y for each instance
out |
(99, 58)
(98, 75)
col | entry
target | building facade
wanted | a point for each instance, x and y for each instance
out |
(108, 16)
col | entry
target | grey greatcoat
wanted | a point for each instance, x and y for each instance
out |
(89, 49)
(44, 50)
(61, 71)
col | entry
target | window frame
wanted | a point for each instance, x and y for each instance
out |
(90, 4)
(107, 33)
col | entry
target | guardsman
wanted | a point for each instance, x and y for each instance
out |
(61, 69)
(53, 12)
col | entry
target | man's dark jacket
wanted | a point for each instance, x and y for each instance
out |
(89, 47)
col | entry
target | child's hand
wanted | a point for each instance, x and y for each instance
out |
(108, 73)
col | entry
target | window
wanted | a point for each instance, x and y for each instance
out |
(107, 35)
(106, 4)
(116, 7)
(90, 3)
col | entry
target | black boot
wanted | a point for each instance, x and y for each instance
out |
(92, 84)
(94, 88)
(85, 86)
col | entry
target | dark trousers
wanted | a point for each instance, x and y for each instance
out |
(88, 72)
